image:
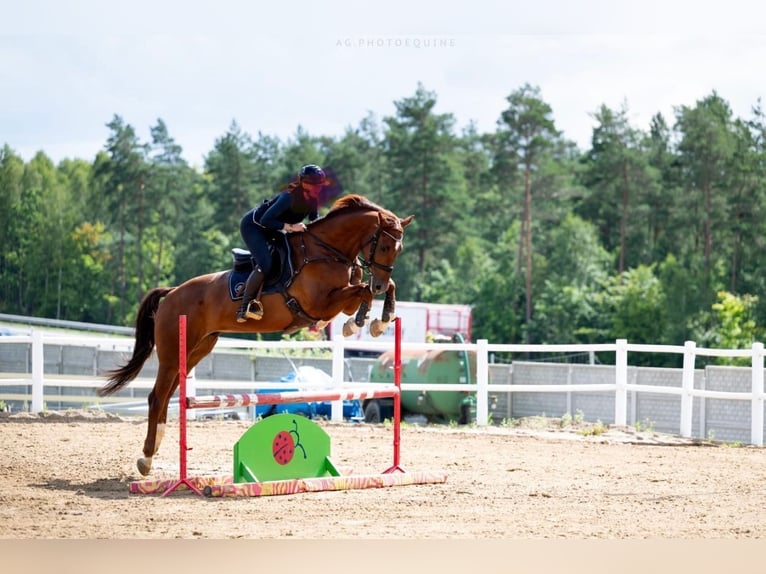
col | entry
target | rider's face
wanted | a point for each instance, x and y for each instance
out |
(312, 188)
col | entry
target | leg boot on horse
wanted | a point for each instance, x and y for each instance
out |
(251, 307)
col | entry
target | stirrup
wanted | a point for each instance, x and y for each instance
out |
(254, 310)
(245, 311)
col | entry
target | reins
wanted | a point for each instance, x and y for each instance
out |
(358, 260)
(339, 255)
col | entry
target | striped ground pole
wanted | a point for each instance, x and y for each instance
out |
(224, 486)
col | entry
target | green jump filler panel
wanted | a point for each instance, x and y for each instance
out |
(283, 447)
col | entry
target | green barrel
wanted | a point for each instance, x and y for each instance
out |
(432, 367)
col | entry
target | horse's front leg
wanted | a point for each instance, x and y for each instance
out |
(360, 301)
(355, 323)
(356, 275)
(362, 315)
(379, 326)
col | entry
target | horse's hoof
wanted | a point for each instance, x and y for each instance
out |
(144, 466)
(349, 328)
(378, 327)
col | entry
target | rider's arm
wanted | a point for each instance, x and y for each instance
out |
(272, 219)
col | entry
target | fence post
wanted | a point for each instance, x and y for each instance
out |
(336, 407)
(756, 417)
(38, 371)
(621, 380)
(482, 382)
(687, 386)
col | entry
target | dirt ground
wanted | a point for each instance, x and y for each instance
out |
(66, 475)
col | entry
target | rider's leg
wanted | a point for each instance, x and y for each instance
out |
(257, 242)
(251, 308)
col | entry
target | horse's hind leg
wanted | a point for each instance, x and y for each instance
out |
(159, 400)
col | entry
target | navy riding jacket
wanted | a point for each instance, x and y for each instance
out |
(289, 206)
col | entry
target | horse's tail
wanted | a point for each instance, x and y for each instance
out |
(121, 376)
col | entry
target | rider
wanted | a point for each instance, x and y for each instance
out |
(284, 212)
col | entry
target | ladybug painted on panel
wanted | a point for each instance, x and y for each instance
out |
(283, 446)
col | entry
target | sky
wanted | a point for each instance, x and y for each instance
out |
(67, 67)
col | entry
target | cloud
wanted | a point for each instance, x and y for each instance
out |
(273, 69)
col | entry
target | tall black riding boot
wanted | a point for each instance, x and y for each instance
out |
(251, 308)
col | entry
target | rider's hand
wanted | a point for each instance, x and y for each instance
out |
(295, 227)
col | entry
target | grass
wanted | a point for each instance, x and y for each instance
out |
(598, 429)
(647, 425)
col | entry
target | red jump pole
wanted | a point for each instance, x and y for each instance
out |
(183, 479)
(398, 395)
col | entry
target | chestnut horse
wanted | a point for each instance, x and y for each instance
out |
(327, 262)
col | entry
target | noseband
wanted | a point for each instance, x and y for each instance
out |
(374, 245)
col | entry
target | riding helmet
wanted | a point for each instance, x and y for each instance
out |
(312, 174)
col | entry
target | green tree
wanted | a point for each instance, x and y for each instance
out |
(71, 206)
(618, 174)
(425, 180)
(27, 254)
(746, 196)
(705, 151)
(635, 302)
(526, 133)
(173, 205)
(730, 324)
(357, 161)
(664, 236)
(499, 292)
(682, 294)
(123, 177)
(475, 158)
(230, 180)
(90, 298)
(577, 266)
(11, 175)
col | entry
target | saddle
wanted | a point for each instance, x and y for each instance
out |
(278, 279)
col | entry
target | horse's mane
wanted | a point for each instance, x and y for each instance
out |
(352, 202)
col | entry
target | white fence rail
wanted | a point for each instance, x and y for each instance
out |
(621, 387)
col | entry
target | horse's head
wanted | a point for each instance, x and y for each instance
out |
(382, 248)
(356, 226)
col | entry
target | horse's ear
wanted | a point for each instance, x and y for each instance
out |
(406, 221)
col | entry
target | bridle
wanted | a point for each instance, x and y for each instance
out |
(366, 265)
(360, 261)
